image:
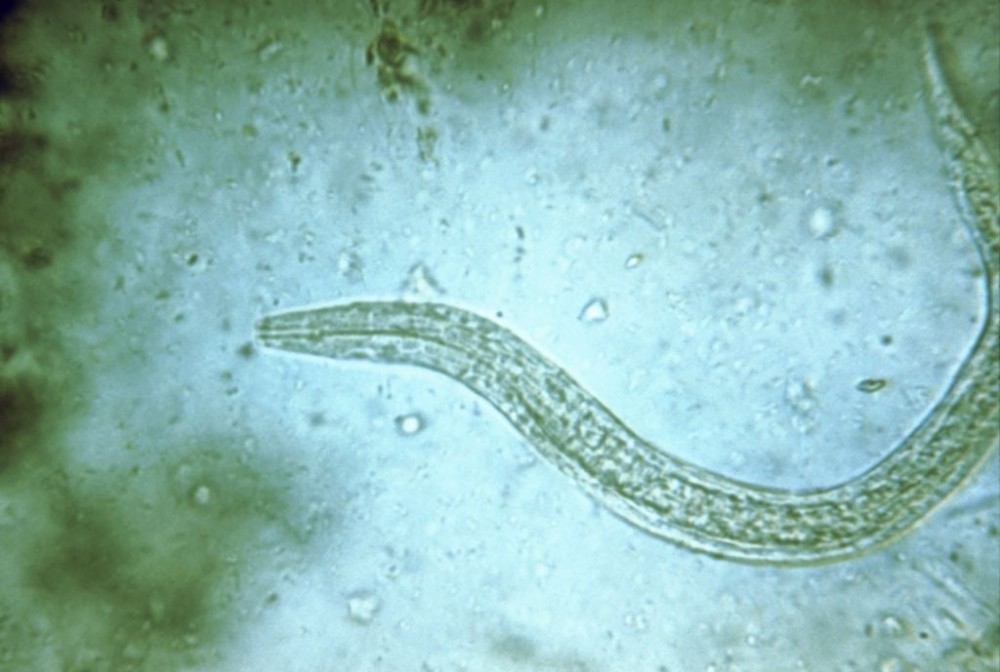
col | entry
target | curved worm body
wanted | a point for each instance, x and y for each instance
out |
(669, 497)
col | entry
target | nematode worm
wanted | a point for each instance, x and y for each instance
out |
(674, 499)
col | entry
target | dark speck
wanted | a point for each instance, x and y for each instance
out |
(37, 258)
(826, 276)
(869, 385)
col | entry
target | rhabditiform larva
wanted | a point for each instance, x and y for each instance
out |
(668, 497)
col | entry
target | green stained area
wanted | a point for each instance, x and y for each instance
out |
(145, 545)
(135, 567)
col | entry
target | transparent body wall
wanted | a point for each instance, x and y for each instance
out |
(692, 312)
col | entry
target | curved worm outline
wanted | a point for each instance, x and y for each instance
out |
(673, 499)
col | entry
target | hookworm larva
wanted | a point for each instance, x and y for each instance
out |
(671, 498)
